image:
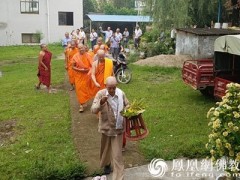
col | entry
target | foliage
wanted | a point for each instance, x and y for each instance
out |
(164, 13)
(133, 109)
(133, 57)
(89, 6)
(38, 36)
(203, 12)
(224, 138)
(190, 12)
(110, 9)
(154, 43)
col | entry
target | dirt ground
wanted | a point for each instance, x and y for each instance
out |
(164, 60)
(7, 131)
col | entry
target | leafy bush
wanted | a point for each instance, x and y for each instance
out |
(133, 57)
(156, 48)
(111, 10)
(151, 36)
(224, 123)
(156, 42)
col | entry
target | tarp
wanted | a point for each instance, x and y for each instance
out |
(229, 44)
(118, 18)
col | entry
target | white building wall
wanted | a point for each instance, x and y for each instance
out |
(13, 23)
(76, 6)
(197, 46)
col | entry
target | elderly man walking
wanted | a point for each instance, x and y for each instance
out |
(110, 102)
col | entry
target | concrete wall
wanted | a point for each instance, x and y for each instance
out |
(197, 46)
(13, 23)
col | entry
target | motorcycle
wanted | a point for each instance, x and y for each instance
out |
(122, 73)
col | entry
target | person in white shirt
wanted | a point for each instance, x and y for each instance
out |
(108, 34)
(93, 38)
(173, 36)
(118, 34)
(125, 38)
(137, 37)
(82, 36)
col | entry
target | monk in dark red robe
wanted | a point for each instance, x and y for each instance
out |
(44, 67)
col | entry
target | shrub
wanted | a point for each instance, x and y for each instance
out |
(224, 138)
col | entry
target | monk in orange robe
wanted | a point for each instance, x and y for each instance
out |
(101, 69)
(82, 66)
(44, 67)
(98, 45)
(69, 53)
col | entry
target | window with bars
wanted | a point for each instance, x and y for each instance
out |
(29, 6)
(65, 18)
(30, 38)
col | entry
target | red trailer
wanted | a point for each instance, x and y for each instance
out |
(210, 76)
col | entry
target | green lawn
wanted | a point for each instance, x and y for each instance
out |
(43, 147)
(175, 116)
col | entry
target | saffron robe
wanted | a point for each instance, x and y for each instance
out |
(82, 79)
(70, 53)
(103, 70)
(43, 75)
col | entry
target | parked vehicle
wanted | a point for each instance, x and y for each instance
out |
(210, 76)
(122, 72)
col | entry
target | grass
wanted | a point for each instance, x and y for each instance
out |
(175, 114)
(42, 147)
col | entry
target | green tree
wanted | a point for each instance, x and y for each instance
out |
(110, 9)
(202, 12)
(89, 6)
(124, 3)
(166, 13)
(183, 13)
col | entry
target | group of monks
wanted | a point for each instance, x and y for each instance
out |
(87, 69)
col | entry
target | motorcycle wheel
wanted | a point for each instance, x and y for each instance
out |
(124, 76)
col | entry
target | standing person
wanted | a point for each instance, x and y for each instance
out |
(98, 45)
(108, 34)
(82, 36)
(125, 38)
(93, 38)
(173, 36)
(118, 34)
(101, 69)
(110, 102)
(69, 53)
(66, 40)
(137, 37)
(115, 46)
(82, 67)
(44, 67)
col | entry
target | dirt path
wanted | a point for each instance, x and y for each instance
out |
(87, 139)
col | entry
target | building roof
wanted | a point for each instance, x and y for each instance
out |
(209, 32)
(119, 18)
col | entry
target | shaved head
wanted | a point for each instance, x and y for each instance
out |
(111, 85)
(102, 47)
(100, 52)
(111, 80)
(101, 55)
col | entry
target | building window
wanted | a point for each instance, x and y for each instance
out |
(30, 38)
(29, 6)
(65, 18)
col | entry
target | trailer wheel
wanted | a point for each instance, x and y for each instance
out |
(208, 91)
